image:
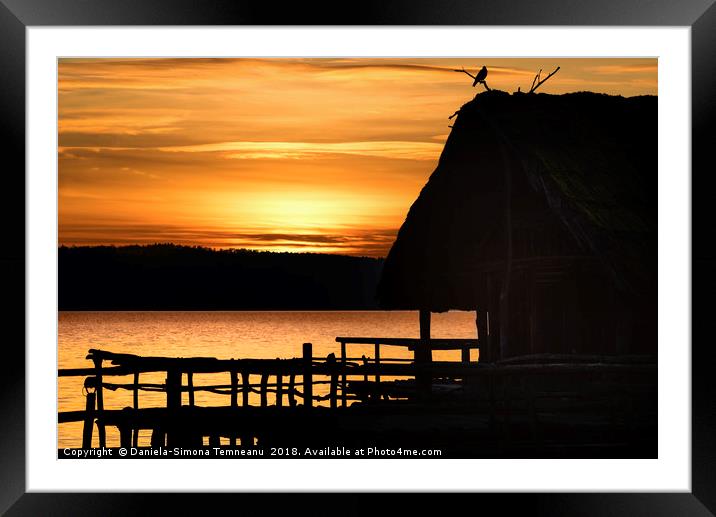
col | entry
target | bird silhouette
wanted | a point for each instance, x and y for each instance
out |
(481, 76)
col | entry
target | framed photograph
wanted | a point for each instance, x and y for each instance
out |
(424, 251)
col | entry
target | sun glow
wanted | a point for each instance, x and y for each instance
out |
(322, 155)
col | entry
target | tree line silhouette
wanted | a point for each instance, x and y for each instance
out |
(173, 277)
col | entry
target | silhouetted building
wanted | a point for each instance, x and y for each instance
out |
(541, 216)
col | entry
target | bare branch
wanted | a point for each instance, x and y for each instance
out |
(465, 72)
(543, 80)
(535, 79)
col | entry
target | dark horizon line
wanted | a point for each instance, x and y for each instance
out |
(212, 249)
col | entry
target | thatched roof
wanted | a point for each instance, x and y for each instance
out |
(592, 160)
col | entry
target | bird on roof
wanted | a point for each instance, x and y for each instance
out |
(479, 78)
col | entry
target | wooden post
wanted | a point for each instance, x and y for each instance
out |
(234, 388)
(125, 436)
(234, 399)
(264, 389)
(135, 401)
(426, 352)
(331, 362)
(89, 421)
(365, 378)
(135, 393)
(343, 376)
(292, 390)
(246, 438)
(377, 363)
(423, 355)
(157, 439)
(100, 402)
(190, 387)
(307, 375)
(173, 387)
(245, 387)
(483, 335)
(279, 389)
(465, 355)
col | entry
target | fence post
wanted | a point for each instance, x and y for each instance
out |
(125, 430)
(158, 438)
(234, 388)
(234, 399)
(377, 362)
(173, 387)
(291, 390)
(376, 392)
(331, 362)
(100, 401)
(264, 389)
(190, 387)
(279, 387)
(89, 421)
(307, 375)
(135, 403)
(246, 437)
(423, 357)
(343, 375)
(245, 386)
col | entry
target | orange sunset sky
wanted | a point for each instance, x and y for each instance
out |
(319, 155)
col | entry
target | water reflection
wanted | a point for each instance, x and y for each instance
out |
(260, 334)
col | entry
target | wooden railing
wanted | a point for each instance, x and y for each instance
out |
(422, 353)
(293, 380)
(285, 374)
(412, 344)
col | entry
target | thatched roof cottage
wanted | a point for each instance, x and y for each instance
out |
(541, 216)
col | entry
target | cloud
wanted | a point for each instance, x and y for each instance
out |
(278, 150)
(344, 240)
(297, 150)
(177, 73)
(621, 69)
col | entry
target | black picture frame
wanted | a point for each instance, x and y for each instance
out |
(17, 15)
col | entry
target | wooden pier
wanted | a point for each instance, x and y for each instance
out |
(521, 407)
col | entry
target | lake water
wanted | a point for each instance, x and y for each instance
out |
(226, 335)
